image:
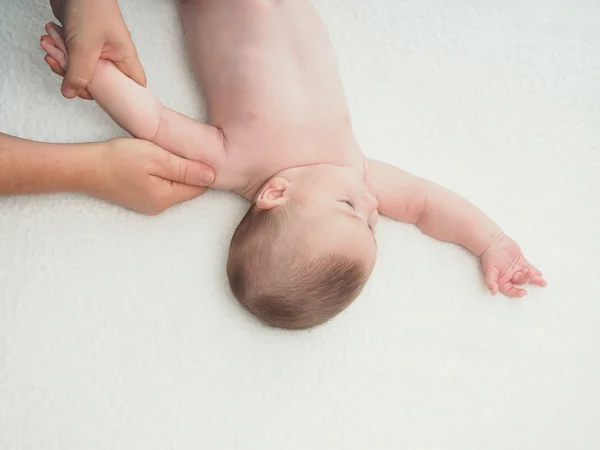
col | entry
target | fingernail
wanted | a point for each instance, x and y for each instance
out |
(207, 177)
(70, 93)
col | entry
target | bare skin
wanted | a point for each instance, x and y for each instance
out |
(133, 173)
(93, 30)
(277, 82)
(279, 130)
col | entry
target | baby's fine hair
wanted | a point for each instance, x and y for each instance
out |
(282, 280)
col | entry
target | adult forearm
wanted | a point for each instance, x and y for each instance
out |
(31, 167)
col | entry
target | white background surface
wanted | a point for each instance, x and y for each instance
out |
(118, 331)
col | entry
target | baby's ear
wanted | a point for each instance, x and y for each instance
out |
(272, 194)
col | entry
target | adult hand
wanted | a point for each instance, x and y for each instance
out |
(141, 176)
(93, 29)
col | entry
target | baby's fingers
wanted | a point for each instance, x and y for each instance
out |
(510, 290)
(536, 278)
(523, 277)
(491, 279)
(538, 281)
(55, 67)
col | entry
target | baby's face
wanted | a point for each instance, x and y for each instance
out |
(339, 211)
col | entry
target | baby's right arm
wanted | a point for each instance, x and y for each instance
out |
(140, 113)
(446, 216)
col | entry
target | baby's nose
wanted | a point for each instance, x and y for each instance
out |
(370, 202)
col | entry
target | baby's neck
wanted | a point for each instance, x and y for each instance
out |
(255, 186)
(254, 174)
(255, 183)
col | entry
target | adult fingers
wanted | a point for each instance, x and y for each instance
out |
(130, 64)
(55, 67)
(81, 65)
(85, 95)
(179, 170)
(55, 32)
(53, 51)
(178, 193)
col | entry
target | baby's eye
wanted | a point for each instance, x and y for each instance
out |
(350, 203)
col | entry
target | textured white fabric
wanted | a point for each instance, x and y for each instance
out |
(118, 330)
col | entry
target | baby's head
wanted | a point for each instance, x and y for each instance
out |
(305, 249)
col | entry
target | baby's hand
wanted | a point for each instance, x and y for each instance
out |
(505, 267)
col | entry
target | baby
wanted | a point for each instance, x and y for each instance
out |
(280, 135)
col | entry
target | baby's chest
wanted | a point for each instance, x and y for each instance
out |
(283, 145)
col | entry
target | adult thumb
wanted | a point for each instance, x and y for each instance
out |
(81, 65)
(130, 64)
(183, 180)
(186, 172)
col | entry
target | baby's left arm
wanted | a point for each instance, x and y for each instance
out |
(446, 216)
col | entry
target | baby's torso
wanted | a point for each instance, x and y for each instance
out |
(269, 75)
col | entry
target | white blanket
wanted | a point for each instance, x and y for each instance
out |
(118, 331)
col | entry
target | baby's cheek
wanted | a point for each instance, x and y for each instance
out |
(374, 219)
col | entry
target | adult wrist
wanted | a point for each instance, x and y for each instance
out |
(32, 167)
